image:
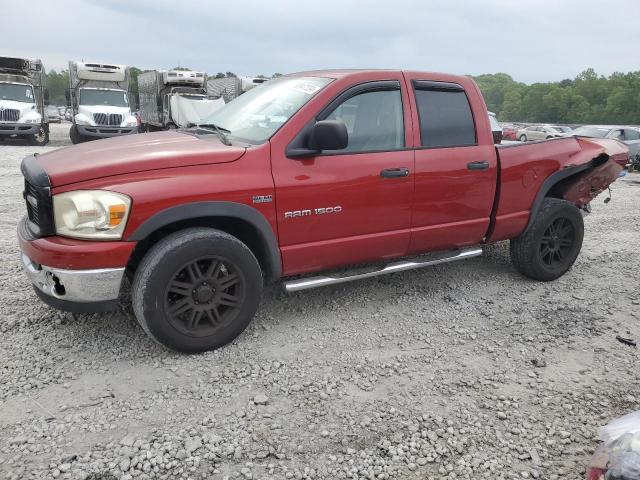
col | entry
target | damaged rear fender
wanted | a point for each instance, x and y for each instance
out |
(582, 182)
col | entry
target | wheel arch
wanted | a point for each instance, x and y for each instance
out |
(242, 221)
(555, 184)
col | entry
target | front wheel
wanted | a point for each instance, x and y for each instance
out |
(75, 135)
(196, 290)
(551, 244)
(523, 138)
(40, 139)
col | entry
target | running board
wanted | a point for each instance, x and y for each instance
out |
(321, 281)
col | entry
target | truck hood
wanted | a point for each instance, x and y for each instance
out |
(22, 107)
(90, 109)
(133, 153)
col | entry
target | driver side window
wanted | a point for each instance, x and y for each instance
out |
(374, 121)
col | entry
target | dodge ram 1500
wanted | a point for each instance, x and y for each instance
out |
(311, 172)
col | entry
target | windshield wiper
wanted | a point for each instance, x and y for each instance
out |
(217, 130)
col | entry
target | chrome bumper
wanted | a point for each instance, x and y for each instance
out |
(75, 286)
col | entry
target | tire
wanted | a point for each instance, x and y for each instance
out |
(75, 136)
(551, 244)
(549, 137)
(182, 294)
(523, 138)
(41, 139)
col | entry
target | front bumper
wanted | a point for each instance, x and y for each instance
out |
(104, 131)
(83, 291)
(19, 128)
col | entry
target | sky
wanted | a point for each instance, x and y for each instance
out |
(531, 40)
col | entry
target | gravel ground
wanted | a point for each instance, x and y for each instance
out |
(462, 371)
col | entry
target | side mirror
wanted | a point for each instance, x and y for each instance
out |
(497, 137)
(67, 96)
(46, 96)
(329, 135)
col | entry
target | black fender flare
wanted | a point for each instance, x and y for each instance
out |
(556, 178)
(240, 211)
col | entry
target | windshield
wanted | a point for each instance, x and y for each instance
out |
(16, 92)
(256, 115)
(595, 132)
(114, 98)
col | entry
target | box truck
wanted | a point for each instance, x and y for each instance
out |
(22, 99)
(98, 96)
(174, 98)
(229, 88)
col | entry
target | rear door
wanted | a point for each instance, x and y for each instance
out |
(456, 165)
(353, 205)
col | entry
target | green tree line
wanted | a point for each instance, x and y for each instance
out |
(589, 98)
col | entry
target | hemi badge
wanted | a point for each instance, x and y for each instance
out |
(262, 198)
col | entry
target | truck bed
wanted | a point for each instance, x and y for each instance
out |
(530, 171)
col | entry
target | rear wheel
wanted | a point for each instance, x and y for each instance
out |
(196, 290)
(523, 138)
(551, 244)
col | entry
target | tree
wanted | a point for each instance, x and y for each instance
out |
(589, 98)
(57, 83)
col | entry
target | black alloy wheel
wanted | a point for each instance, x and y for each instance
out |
(203, 295)
(556, 242)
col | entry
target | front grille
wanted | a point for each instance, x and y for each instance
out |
(111, 120)
(39, 210)
(31, 197)
(9, 115)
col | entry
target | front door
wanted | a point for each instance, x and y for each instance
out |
(352, 205)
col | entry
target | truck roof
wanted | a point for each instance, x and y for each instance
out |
(342, 73)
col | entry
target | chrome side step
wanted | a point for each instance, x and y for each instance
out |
(434, 259)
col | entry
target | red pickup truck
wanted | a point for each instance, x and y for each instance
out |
(306, 173)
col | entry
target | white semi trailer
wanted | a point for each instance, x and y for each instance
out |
(173, 99)
(99, 101)
(22, 99)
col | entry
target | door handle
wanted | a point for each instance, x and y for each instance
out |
(394, 172)
(482, 165)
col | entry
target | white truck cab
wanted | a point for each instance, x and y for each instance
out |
(22, 101)
(99, 101)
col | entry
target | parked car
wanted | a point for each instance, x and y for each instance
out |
(563, 128)
(630, 136)
(509, 131)
(305, 173)
(53, 114)
(538, 132)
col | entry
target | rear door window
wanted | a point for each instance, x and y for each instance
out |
(445, 115)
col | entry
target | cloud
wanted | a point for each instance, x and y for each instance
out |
(533, 40)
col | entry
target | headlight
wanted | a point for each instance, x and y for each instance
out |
(91, 214)
(131, 122)
(32, 120)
